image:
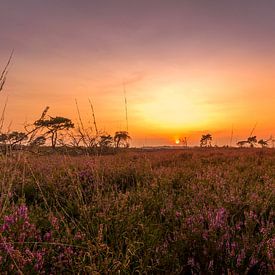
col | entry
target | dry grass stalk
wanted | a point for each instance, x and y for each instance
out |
(93, 113)
(3, 76)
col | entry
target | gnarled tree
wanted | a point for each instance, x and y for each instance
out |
(252, 141)
(263, 143)
(38, 141)
(53, 126)
(121, 139)
(12, 139)
(105, 141)
(206, 140)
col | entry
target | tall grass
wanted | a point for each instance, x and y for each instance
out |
(196, 212)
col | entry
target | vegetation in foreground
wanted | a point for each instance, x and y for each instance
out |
(193, 211)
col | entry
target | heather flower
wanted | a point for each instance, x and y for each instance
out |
(178, 214)
(38, 260)
(191, 262)
(220, 218)
(54, 222)
(241, 257)
(47, 236)
(9, 219)
(79, 235)
(22, 212)
(8, 247)
(210, 266)
(253, 261)
(271, 249)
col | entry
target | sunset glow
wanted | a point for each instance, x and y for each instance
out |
(187, 67)
(177, 141)
(137, 136)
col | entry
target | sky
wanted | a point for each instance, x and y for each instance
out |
(188, 67)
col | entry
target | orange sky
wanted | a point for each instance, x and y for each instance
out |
(183, 76)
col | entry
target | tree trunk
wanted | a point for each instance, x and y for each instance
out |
(117, 143)
(53, 139)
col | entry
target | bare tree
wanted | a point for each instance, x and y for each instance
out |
(183, 141)
(75, 138)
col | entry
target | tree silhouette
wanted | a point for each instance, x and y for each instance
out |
(39, 141)
(263, 143)
(183, 141)
(17, 137)
(105, 141)
(242, 143)
(4, 138)
(252, 141)
(13, 138)
(272, 141)
(54, 125)
(206, 140)
(121, 138)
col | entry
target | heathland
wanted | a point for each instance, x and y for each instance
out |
(190, 211)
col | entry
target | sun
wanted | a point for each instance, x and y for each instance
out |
(177, 141)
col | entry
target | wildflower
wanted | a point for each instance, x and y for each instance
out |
(210, 266)
(9, 219)
(178, 214)
(39, 260)
(240, 257)
(54, 222)
(270, 248)
(48, 236)
(79, 235)
(191, 262)
(22, 211)
(219, 220)
(205, 235)
(22, 237)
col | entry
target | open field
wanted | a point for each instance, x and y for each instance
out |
(197, 211)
